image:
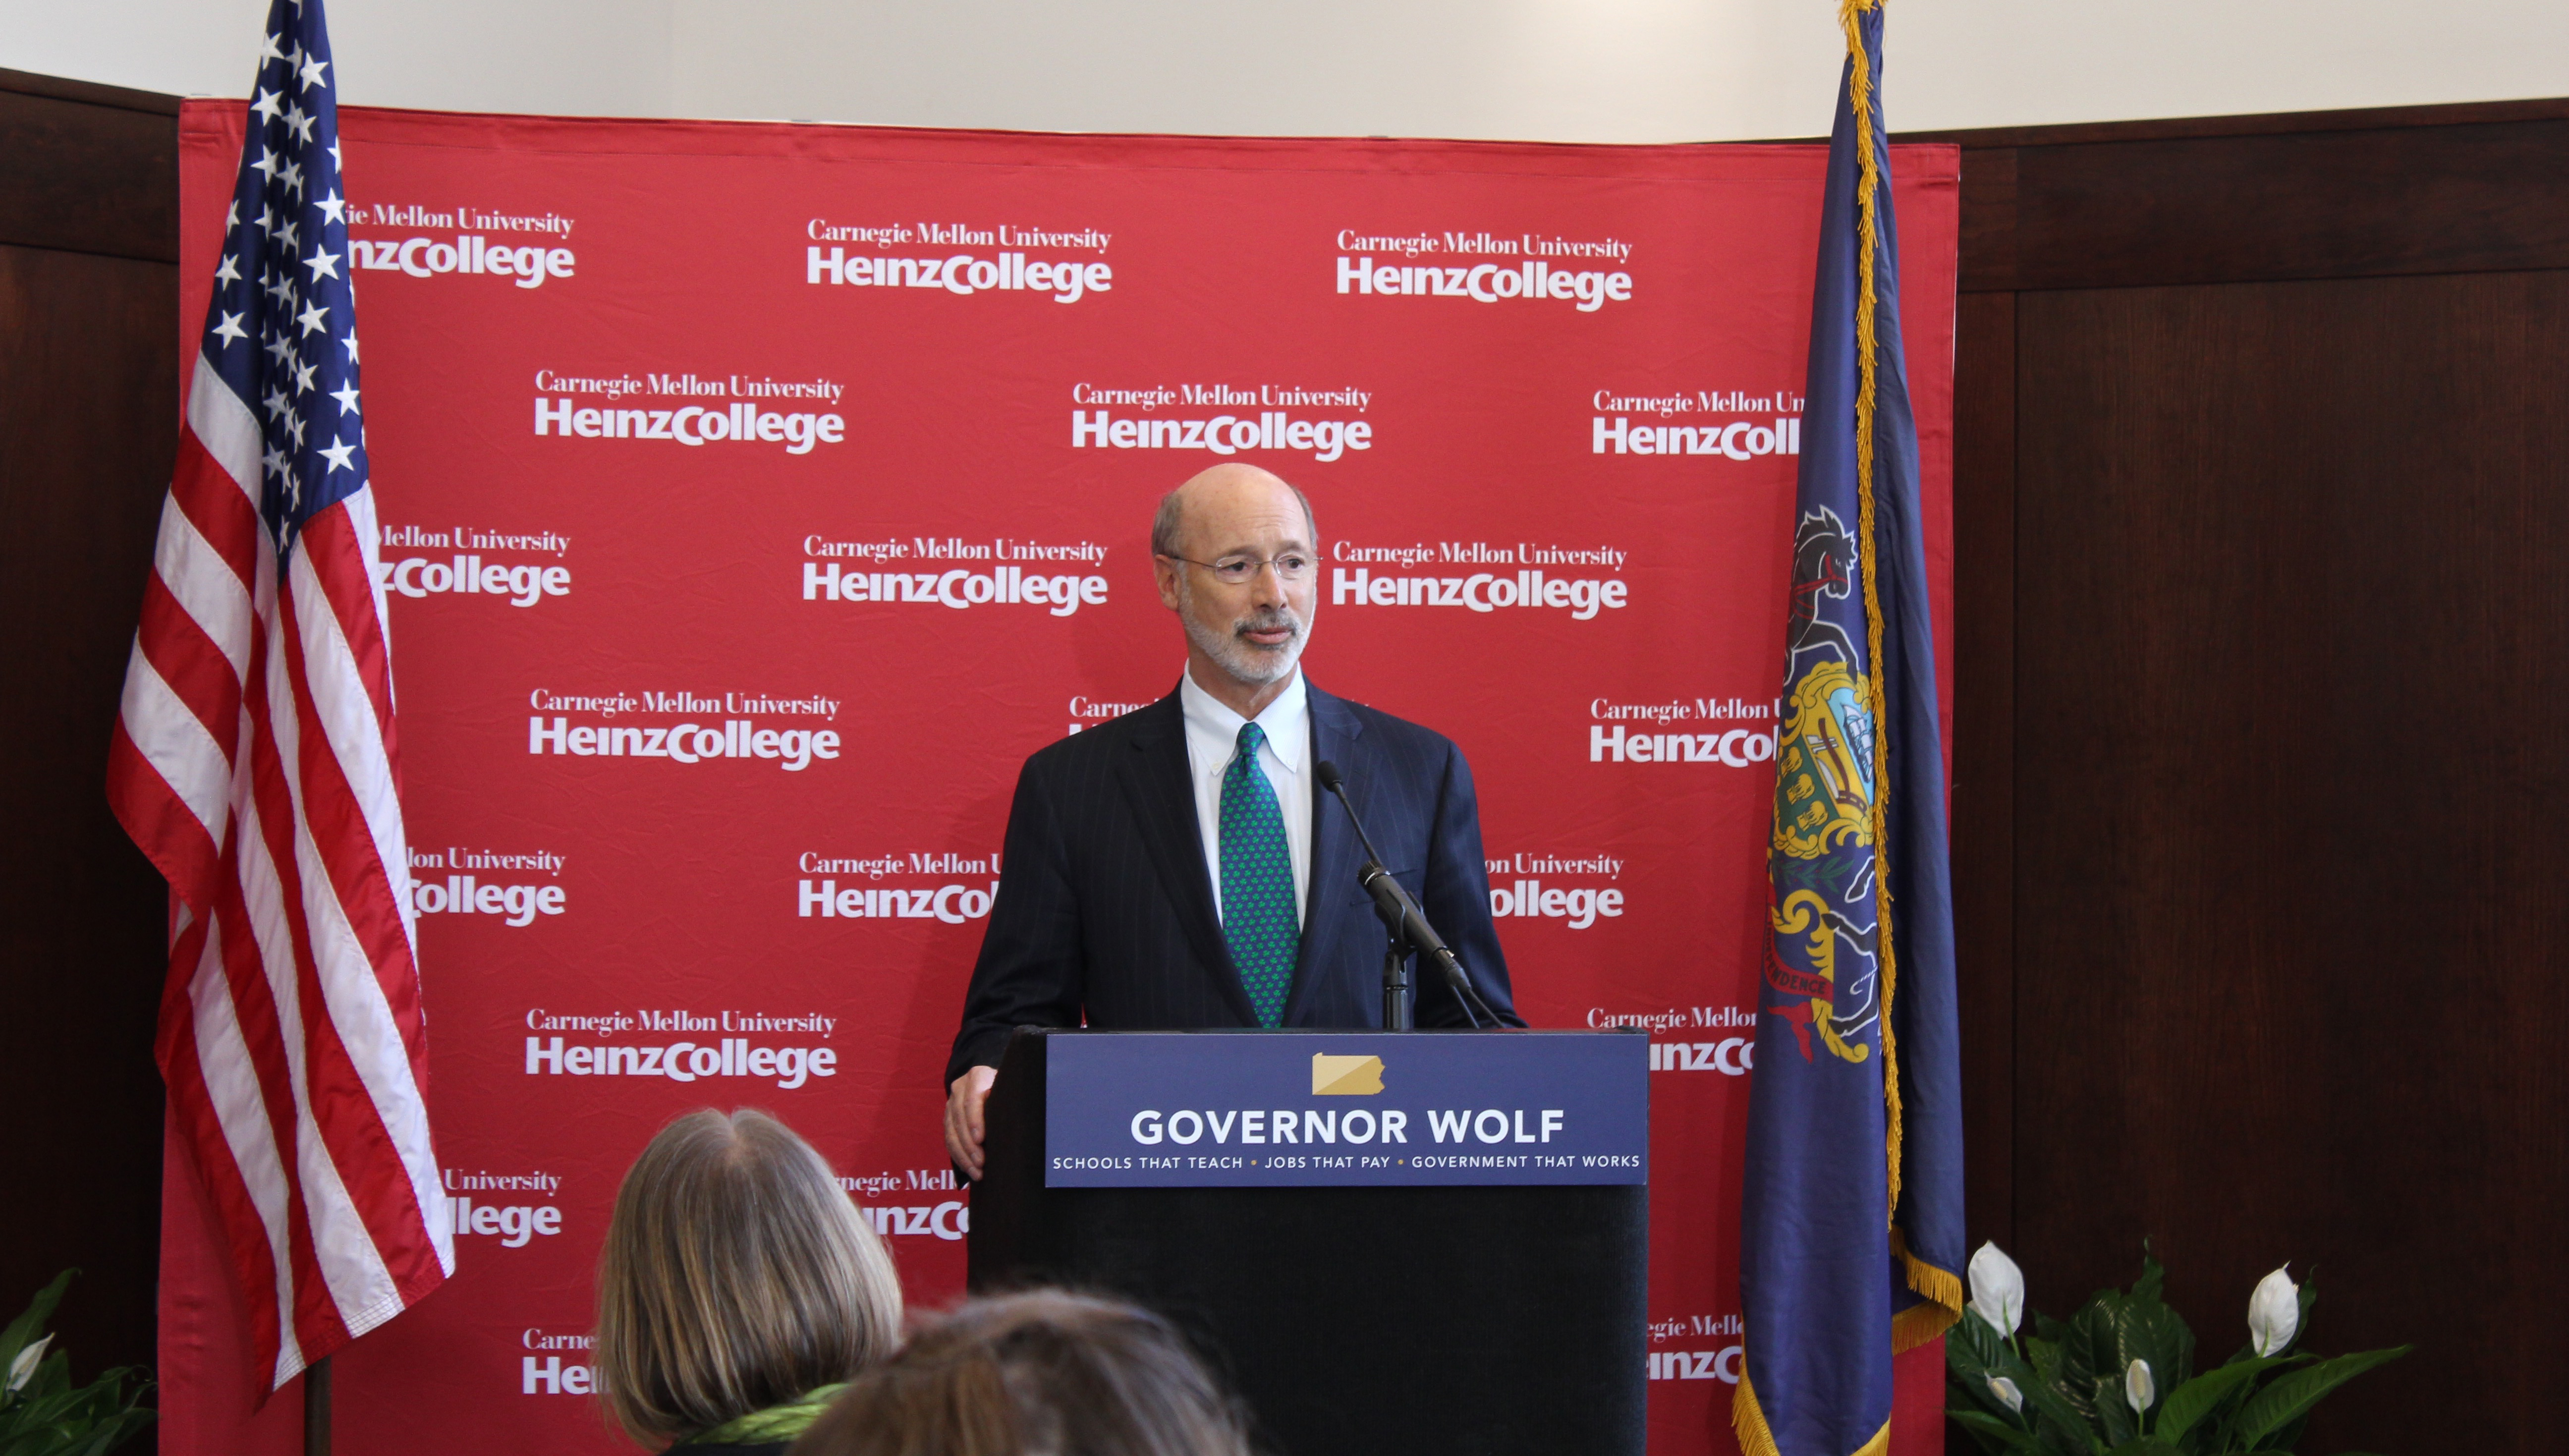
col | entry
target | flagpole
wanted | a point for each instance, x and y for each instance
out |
(316, 1407)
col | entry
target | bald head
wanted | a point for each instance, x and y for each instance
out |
(1245, 636)
(1215, 499)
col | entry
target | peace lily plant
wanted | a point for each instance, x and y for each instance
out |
(2118, 1376)
(41, 1412)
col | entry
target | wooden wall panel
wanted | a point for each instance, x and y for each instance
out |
(1983, 818)
(2325, 205)
(2292, 677)
(2320, 194)
(88, 403)
(88, 169)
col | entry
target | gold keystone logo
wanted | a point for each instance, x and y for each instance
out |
(1338, 1076)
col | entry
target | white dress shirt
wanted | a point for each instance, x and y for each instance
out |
(1213, 741)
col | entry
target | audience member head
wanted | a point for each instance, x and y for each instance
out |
(737, 1276)
(1045, 1374)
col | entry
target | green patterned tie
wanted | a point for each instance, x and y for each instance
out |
(1258, 916)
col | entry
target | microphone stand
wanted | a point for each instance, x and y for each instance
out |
(1393, 907)
(1399, 1003)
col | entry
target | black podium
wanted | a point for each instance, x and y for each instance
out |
(1439, 1307)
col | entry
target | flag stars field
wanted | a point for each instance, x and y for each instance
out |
(290, 176)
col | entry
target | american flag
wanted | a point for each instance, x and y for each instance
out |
(256, 762)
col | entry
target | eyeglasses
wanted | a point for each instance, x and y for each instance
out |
(1292, 568)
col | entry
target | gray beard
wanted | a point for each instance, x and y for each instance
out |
(1256, 666)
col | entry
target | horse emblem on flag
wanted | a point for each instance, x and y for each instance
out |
(1821, 959)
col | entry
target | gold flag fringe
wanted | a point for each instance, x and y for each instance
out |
(1868, 244)
(1748, 1423)
(1942, 1288)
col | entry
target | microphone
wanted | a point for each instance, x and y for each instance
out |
(1399, 912)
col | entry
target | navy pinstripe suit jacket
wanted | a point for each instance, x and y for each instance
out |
(1106, 913)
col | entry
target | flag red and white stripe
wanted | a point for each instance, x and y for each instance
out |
(256, 762)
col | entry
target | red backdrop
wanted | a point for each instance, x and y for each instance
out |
(653, 398)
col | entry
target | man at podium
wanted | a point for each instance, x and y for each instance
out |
(1179, 867)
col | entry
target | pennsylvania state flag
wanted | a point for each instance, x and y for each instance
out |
(1852, 1229)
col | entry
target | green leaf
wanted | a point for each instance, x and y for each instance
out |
(2146, 1330)
(2197, 1398)
(23, 1331)
(1970, 1363)
(2089, 1354)
(2301, 1389)
(2005, 1436)
(2113, 1415)
(1976, 1394)
(2282, 1440)
(2153, 1276)
(114, 1432)
(49, 1389)
(90, 1420)
(1997, 1413)
(1973, 1349)
(1979, 1438)
(2065, 1427)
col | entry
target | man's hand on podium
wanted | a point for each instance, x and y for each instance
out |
(964, 1118)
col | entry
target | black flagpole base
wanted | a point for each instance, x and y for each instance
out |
(316, 1407)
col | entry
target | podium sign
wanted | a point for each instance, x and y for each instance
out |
(1410, 1109)
(1351, 1217)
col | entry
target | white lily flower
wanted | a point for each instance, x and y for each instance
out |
(23, 1368)
(2009, 1397)
(2274, 1312)
(1997, 1288)
(2138, 1390)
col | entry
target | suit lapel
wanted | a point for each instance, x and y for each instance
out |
(1156, 779)
(1336, 853)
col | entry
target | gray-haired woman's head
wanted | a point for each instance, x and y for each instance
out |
(737, 1276)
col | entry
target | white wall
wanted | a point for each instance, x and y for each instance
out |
(1558, 70)
(575, 55)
